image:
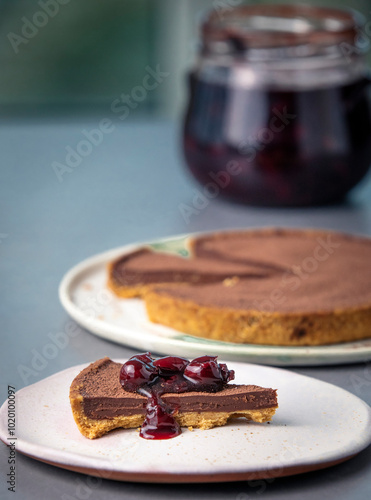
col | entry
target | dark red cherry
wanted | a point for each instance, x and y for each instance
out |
(145, 357)
(135, 373)
(171, 364)
(204, 371)
(202, 359)
(227, 375)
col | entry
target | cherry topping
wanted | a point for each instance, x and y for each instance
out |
(207, 373)
(145, 357)
(136, 372)
(204, 359)
(159, 423)
(227, 375)
(170, 374)
(170, 364)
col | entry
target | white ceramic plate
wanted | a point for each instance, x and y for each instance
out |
(86, 298)
(315, 426)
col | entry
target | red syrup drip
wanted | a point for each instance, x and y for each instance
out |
(153, 378)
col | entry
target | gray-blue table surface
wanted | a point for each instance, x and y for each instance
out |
(130, 186)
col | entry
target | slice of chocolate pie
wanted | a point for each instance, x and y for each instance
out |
(162, 396)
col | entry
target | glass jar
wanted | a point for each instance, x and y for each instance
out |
(279, 112)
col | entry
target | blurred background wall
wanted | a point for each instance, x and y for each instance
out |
(72, 58)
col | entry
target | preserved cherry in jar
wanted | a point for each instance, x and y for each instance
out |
(279, 109)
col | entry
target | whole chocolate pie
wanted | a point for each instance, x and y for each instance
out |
(268, 286)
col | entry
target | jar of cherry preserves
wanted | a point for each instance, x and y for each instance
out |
(279, 112)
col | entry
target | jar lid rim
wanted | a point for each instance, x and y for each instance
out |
(263, 26)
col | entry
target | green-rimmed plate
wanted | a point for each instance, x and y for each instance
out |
(85, 296)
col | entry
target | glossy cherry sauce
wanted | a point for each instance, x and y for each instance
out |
(154, 377)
